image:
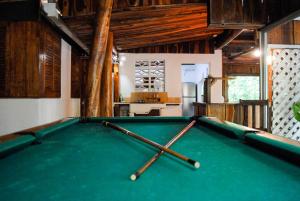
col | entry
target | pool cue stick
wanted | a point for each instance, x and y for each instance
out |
(140, 171)
(196, 164)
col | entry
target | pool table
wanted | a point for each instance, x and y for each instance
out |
(86, 161)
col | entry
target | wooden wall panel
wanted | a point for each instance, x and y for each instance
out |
(50, 63)
(288, 34)
(30, 60)
(21, 60)
(297, 32)
(236, 14)
(77, 65)
(2, 59)
(230, 69)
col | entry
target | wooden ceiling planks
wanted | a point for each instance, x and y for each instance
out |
(135, 27)
(191, 47)
(137, 3)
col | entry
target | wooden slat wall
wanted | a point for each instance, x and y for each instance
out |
(50, 62)
(231, 69)
(77, 65)
(236, 14)
(32, 64)
(2, 59)
(288, 34)
(21, 60)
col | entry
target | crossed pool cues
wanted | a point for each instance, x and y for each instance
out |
(162, 149)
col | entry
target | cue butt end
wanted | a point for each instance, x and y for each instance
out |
(196, 164)
(134, 177)
(104, 123)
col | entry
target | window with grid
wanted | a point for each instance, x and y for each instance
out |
(150, 76)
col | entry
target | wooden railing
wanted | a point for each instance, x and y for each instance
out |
(249, 113)
(253, 114)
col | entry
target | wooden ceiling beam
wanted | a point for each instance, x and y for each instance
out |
(129, 44)
(244, 52)
(226, 38)
(153, 22)
(157, 32)
(182, 34)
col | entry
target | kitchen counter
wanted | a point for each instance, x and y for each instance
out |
(165, 109)
(128, 103)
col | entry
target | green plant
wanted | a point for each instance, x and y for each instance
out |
(296, 110)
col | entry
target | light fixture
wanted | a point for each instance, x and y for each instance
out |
(257, 53)
(270, 59)
(122, 58)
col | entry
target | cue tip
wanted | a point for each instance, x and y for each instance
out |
(197, 164)
(133, 177)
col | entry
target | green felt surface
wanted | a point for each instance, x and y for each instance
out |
(15, 144)
(44, 132)
(89, 162)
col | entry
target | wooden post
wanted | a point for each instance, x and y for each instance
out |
(106, 81)
(116, 83)
(93, 81)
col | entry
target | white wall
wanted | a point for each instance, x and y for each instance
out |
(19, 114)
(173, 64)
(194, 73)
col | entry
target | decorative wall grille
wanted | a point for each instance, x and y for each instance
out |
(286, 91)
(150, 75)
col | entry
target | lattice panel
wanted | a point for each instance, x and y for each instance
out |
(150, 75)
(286, 91)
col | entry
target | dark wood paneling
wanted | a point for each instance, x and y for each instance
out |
(230, 69)
(31, 68)
(50, 63)
(2, 59)
(233, 14)
(22, 60)
(285, 34)
(297, 32)
(77, 65)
